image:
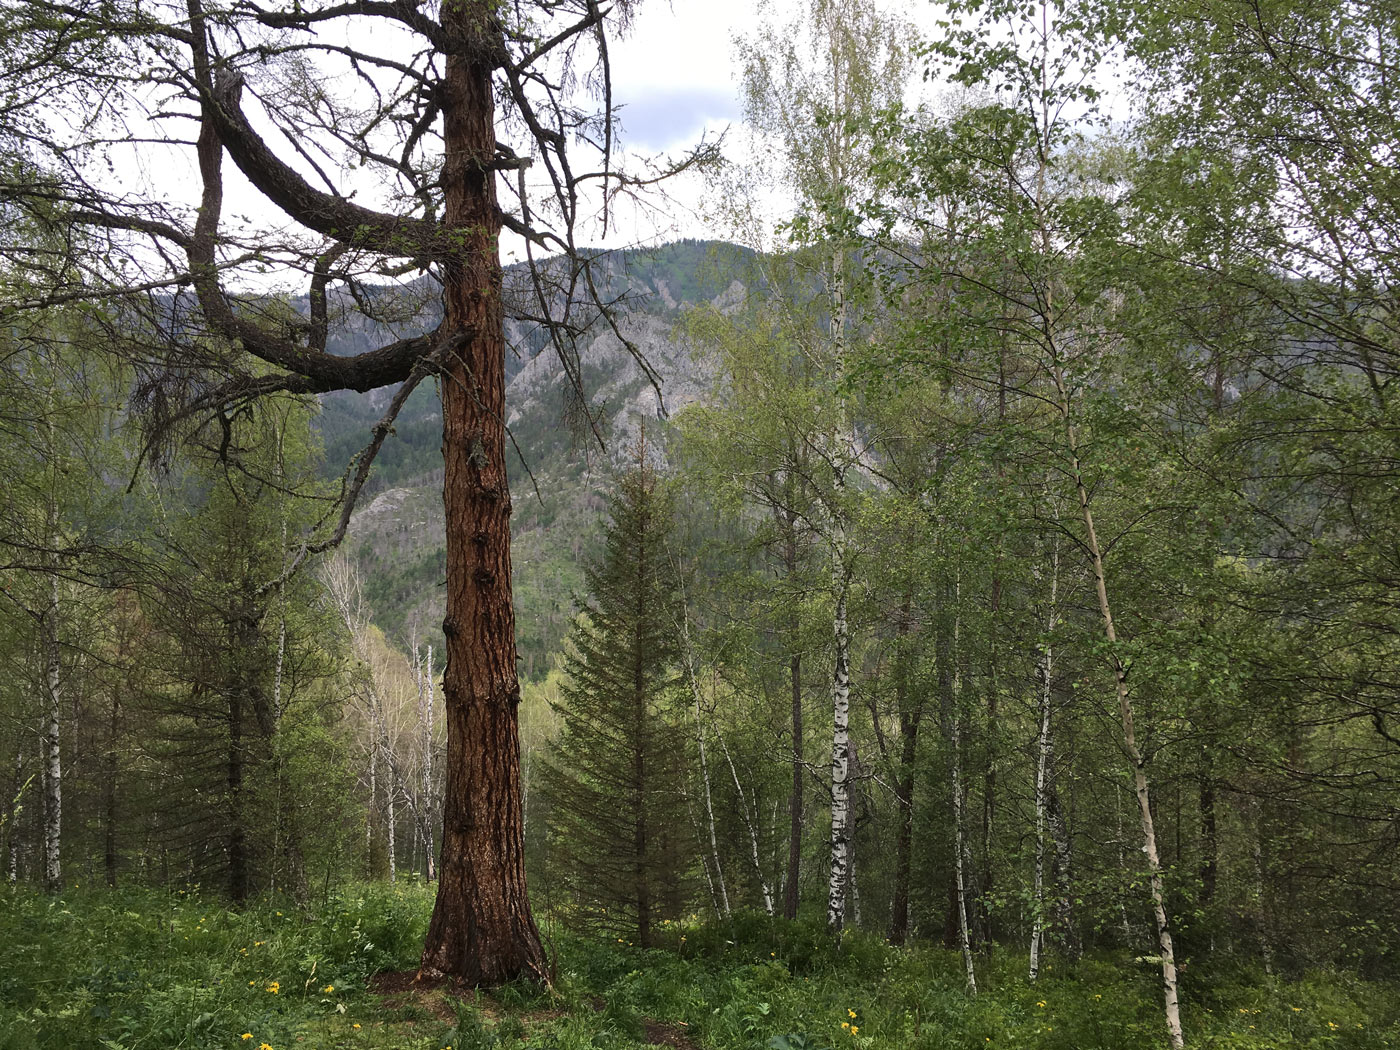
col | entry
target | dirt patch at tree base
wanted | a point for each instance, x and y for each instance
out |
(402, 988)
(673, 1035)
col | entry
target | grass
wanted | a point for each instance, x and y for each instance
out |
(150, 970)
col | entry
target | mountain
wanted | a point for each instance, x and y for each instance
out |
(559, 472)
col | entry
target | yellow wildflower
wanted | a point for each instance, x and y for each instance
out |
(356, 1026)
(246, 1035)
(328, 988)
(855, 1029)
(1041, 1003)
(264, 1046)
(850, 1013)
(273, 987)
(845, 1024)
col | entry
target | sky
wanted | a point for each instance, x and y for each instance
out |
(676, 79)
(675, 72)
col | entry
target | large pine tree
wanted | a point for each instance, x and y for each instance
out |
(615, 779)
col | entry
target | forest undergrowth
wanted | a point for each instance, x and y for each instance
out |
(151, 970)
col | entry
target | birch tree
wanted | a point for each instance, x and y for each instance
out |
(812, 92)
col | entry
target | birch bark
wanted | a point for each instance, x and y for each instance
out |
(1136, 761)
(1044, 748)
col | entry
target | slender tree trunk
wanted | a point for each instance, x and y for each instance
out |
(1261, 903)
(791, 892)
(372, 814)
(705, 780)
(840, 744)
(481, 930)
(1136, 761)
(237, 835)
(425, 720)
(688, 653)
(910, 715)
(1041, 773)
(390, 820)
(959, 855)
(904, 833)
(750, 823)
(109, 792)
(641, 830)
(1044, 750)
(1210, 849)
(1063, 870)
(946, 644)
(17, 787)
(53, 767)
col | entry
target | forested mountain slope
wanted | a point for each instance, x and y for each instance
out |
(560, 465)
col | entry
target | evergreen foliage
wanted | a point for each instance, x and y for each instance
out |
(615, 780)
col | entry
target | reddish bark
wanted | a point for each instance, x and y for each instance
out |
(481, 930)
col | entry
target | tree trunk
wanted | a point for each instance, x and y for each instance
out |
(910, 715)
(12, 825)
(109, 791)
(840, 745)
(1045, 749)
(425, 719)
(705, 780)
(373, 805)
(1138, 764)
(237, 836)
(946, 646)
(791, 892)
(481, 930)
(53, 768)
(750, 818)
(1210, 849)
(389, 823)
(959, 855)
(1064, 899)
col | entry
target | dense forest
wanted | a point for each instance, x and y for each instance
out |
(958, 604)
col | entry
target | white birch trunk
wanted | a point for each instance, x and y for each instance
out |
(1042, 772)
(840, 740)
(389, 809)
(53, 766)
(1171, 1002)
(16, 804)
(426, 691)
(749, 820)
(373, 804)
(709, 803)
(723, 890)
(959, 815)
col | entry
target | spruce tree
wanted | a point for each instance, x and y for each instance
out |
(615, 778)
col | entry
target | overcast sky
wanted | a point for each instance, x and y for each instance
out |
(675, 72)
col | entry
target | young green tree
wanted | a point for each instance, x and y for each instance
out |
(615, 779)
(813, 89)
